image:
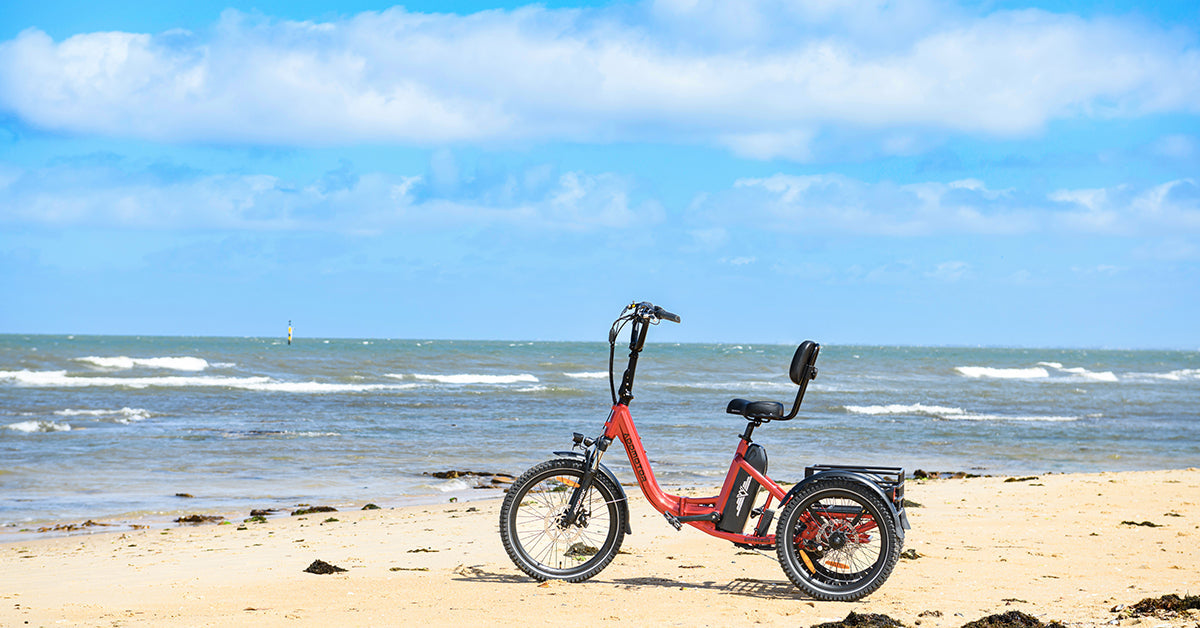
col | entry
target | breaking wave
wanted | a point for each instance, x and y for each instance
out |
(61, 379)
(948, 413)
(916, 408)
(1041, 371)
(1103, 376)
(124, 415)
(1036, 372)
(33, 427)
(184, 363)
(588, 375)
(468, 378)
(1180, 375)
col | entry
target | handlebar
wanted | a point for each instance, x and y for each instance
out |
(665, 315)
(642, 315)
(649, 310)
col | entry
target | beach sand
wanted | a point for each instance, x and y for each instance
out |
(1055, 547)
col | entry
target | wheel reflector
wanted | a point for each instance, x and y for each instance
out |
(807, 561)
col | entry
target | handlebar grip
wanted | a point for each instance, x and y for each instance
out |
(665, 315)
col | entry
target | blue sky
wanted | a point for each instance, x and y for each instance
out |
(927, 172)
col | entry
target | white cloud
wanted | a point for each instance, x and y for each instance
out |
(106, 191)
(837, 204)
(763, 80)
(840, 204)
(950, 271)
(107, 195)
(1165, 209)
(793, 144)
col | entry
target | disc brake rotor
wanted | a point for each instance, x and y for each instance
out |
(569, 534)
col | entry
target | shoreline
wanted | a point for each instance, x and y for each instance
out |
(1064, 547)
(126, 522)
(157, 520)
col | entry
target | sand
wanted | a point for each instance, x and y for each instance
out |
(1055, 547)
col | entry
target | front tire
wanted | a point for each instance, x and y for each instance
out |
(837, 540)
(530, 523)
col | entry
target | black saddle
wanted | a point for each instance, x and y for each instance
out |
(803, 369)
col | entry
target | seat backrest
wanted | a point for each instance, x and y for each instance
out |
(803, 369)
(803, 363)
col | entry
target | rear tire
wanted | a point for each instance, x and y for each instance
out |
(837, 540)
(530, 530)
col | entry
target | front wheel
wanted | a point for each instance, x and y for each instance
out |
(837, 540)
(531, 522)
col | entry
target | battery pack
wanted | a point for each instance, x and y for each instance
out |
(745, 488)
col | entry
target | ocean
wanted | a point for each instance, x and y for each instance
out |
(116, 427)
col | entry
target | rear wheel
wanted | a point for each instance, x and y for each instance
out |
(531, 523)
(837, 540)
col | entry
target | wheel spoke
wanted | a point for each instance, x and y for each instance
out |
(531, 524)
(840, 546)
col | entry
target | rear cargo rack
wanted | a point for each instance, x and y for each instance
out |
(890, 479)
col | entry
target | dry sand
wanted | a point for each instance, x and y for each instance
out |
(1054, 547)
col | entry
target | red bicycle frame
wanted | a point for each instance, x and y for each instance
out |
(702, 513)
(699, 512)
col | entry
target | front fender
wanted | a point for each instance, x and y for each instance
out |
(622, 500)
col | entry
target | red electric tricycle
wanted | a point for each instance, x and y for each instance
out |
(840, 528)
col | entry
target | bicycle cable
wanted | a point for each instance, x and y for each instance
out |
(635, 310)
(613, 332)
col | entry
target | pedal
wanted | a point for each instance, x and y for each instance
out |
(673, 520)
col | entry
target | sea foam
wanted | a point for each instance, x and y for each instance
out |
(183, 363)
(1103, 376)
(60, 379)
(916, 408)
(468, 378)
(124, 415)
(320, 387)
(1172, 376)
(31, 427)
(64, 380)
(1036, 372)
(948, 413)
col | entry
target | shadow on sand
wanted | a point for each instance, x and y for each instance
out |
(748, 587)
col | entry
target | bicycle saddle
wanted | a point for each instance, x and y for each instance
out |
(756, 409)
(803, 369)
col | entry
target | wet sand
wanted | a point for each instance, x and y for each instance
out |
(1058, 547)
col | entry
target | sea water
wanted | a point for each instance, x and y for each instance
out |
(96, 426)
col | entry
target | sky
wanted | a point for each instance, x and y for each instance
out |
(992, 173)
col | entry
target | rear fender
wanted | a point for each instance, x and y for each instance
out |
(622, 500)
(899, 516)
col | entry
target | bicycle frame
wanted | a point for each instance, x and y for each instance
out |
(701, 513)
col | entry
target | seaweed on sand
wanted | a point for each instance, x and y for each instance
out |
(313, 509)
(1011, 619)
(321, 567)
(1164, 606)
(863, 620)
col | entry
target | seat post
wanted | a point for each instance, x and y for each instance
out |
(750, 425)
